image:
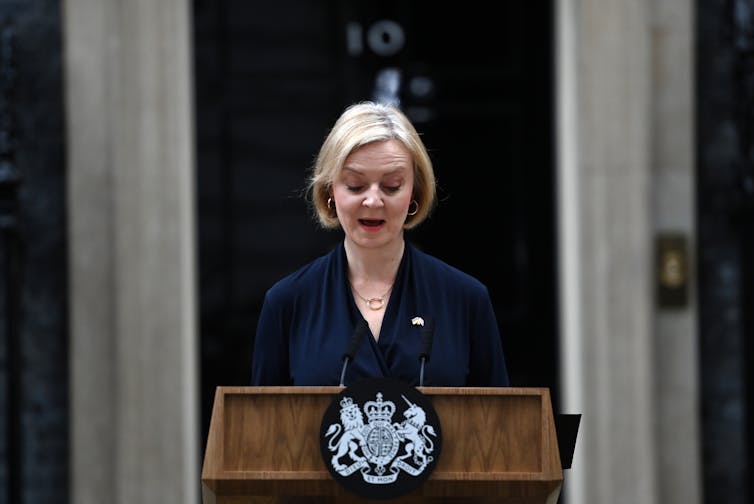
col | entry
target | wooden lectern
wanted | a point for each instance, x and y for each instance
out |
(498, 445)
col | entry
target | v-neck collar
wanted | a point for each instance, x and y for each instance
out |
(388, 330)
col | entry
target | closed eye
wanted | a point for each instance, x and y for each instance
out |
(387, 189)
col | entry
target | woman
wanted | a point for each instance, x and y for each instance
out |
(373, 178)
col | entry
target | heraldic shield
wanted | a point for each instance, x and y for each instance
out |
(380, 438)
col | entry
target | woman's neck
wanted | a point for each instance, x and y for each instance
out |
(374, 265)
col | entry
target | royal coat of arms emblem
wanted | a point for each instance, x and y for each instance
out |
(379, 442)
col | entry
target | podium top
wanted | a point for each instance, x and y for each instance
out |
(497, 442)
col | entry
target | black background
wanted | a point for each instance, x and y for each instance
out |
(271, 80)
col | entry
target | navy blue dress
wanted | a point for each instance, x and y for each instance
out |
(308, 318)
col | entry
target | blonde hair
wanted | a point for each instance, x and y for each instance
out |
(360, 124)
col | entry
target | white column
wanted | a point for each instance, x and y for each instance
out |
(134, 373)
(673, 183)
(604, 209)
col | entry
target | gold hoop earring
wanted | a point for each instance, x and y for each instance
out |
(416, 207)
(330, 204)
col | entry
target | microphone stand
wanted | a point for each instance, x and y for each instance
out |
(428, 332)
(421, 371)
(359, 332)
(343, 372)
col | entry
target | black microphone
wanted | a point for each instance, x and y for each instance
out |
(427, 334)
(361, 328)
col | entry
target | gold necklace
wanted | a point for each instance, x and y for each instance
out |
(375, 303)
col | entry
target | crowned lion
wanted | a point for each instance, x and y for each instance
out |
(352, 438)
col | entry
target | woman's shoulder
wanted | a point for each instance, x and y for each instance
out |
(307, 277)
(438, 271)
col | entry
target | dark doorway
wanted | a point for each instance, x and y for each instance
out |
(476, 81)
(725, 229)
(34, 389)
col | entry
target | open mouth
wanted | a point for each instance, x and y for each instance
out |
(371, 222)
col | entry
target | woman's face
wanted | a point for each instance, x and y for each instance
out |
(373, 191)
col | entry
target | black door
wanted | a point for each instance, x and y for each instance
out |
(476, 81)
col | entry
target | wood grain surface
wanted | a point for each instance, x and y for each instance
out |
(498, 444)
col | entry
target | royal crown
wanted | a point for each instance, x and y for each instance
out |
(347, 403)
(379, 410)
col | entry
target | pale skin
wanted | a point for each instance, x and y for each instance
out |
(372, 194)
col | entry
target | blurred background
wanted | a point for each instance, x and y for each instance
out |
(595, 164)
